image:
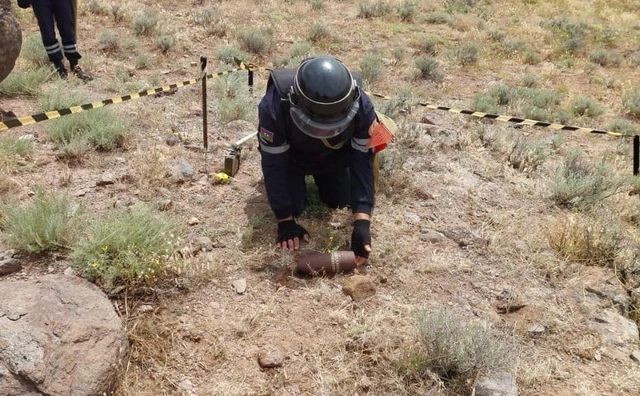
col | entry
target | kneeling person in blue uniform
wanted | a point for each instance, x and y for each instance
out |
(315, 120)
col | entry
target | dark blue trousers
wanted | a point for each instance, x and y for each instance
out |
(334, 189)
(51, 14)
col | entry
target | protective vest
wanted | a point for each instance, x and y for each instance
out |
(311, 155)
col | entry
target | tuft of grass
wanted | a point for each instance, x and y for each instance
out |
(428, 45)
(407, 10)
(580, 184)
(400, 103)
(301, 50)
(33, 51)
(586, 107)
(233, 98)
(531, 58)
(317, 5)
(26, 82)
(371, 68)
(526, 154)
(118, 13)
(591, 240)
(457, 349)
(467, 54)
(108, 41)
(12, 152)
(97, 8)
(605, 57)
(130, 246)
(429, 68)
(143, 62)
(145, 23)
(572, 35)
(164, 43)
(99, 129)
(529, 80)
(623, 126)
(632, 102)
(458, 6)
(59, 97)
(49, 223)
(319, 32)
(256, 41)
(212, 23)
(399, 53)
(227, 53)
(368, 10)
(438, 18)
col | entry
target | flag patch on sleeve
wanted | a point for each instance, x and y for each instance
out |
(265, 135)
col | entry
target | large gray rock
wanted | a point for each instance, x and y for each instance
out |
(10, 39)
(59, 335)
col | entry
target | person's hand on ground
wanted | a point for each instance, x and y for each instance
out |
(361, 240)
(289, 234)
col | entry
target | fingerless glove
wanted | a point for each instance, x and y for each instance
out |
(289, 229)
(360, 237)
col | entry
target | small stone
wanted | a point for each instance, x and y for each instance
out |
(359, 287)
(536, 328)
(51, 270)
(106, 179)
(9, 266)
(27, 138)
(498, 384)
(80, 193)
(69, 271)
(145, 308)
(172, 140)
(193, 221)
(270, 357)
(182, 170)
(240, 285)
(432, 236)
(597, 356)
(635, 355)
(412, 218)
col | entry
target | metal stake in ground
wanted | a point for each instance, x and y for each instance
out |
(636, 154)
(205, 131)
(250, 81)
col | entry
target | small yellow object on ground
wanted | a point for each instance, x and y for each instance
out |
(221, 178)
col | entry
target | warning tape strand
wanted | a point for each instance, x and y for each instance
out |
(48, 115)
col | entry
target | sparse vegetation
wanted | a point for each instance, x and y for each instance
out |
(26, 82)
(586, 107)
(13, 151)
(145, 23)
(467, 54)
(33, 51)
(130, 247)
(232, 98)
(108, 41)
(458, 349)
(407, 10)
(581, 184)
(48, 223)
(318, 32)
(98, 129)
(369, 9)
(256, 41)
(429, 68)
(632, 102)
(371, 68)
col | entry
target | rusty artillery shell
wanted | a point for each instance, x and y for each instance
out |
(311, 263)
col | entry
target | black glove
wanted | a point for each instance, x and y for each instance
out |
(289, 229)
(360, 237)
(24, 3)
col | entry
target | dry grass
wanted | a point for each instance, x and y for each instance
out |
(461, 172)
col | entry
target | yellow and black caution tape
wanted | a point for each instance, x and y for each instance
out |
(521, 121)
(48, 115)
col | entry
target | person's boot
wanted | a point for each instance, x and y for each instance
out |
(62, 71)
(77, 70)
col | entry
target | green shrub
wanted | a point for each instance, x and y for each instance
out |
(458, 6)
(400, 103)
(376, 9)
(108, 41)
(526, 154)
(232, 98)
(118, 13)
(96, 7)
(59, 97)
(100, 129)
(605, 58)
(371, 68)
(318, 32)
(586, 107)
(48, 223)
(437, 18)
(399, 53)
(632, 102)
(12, 152)
(33, 50)
(467, 54)
(407, 10)
(21, 82)
(301, 49)
(257, 41)
(128, 247)
(144, 23)
(143, 62)
(458, 349)
(625, 127)
(165, 43)
(227, 53)
(213, 24)
(581, 184)
(429, 68)
(317, 5)
(529, 80)
(531, 58)
(428, 45)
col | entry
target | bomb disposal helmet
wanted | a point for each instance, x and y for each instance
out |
(324, 97)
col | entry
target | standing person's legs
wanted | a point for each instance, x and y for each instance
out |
(43, 11)
(63, 14)
(334, 188)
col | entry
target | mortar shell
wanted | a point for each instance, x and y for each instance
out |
(312, 263)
